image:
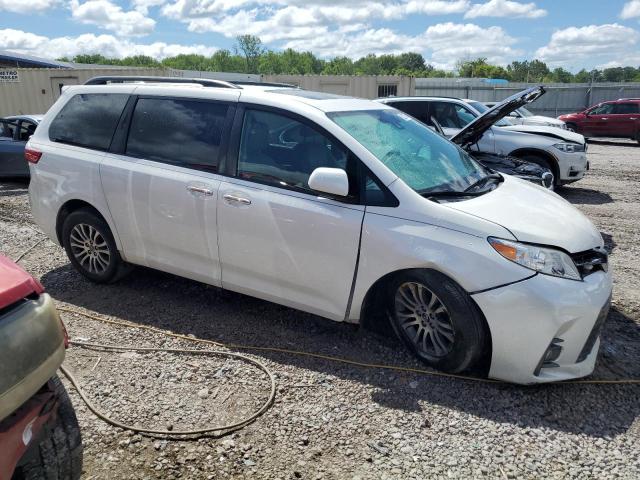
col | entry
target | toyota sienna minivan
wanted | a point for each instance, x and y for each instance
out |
(341, 207)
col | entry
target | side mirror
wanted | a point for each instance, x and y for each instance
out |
(333, 181)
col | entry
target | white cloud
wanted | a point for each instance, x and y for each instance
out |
(143, 6)
(631, 9)
(505, 8)
(592, 42)
(110, 16)
(322, 11)
(107, 45)
(26, 7)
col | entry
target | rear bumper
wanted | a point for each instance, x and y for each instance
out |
(32, 340)
(525, 317)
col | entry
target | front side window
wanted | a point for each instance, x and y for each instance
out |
(280, 151)
(451, 115)
(179, 132)
(603, 109)
(88, 120)
(423, 159)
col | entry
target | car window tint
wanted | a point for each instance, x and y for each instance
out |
(179, 132)
(5, 130)
(602, 109)
(280, 151)
(88, 120)
(415, 109)
(451, 115)
(27, 129)
(626, 108)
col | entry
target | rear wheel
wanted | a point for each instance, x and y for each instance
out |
(58, 455)
(437, 320)
(91, 248)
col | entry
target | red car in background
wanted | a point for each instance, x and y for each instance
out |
(39, 432)
(617, 119)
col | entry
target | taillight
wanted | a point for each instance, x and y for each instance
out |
(31, 155)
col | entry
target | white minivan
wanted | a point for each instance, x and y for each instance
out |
(342, 207)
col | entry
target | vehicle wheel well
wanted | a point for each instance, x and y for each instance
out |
(67, 209)
(553, 163)
(374, 316)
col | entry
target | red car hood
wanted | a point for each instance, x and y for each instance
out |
(15, 283)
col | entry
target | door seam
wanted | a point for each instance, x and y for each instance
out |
(355, 270)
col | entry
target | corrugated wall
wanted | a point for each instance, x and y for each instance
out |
(354, 86)
(560, 97)
(38, 88)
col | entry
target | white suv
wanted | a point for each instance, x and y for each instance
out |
(561, 151)
(337, 206)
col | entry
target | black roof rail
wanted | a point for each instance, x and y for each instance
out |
(264, 84)
(205, 82)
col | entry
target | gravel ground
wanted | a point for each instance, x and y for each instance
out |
(333, 421)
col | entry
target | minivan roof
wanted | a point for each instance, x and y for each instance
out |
(280, 95)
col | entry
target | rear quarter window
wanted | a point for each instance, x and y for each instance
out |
(88, 120)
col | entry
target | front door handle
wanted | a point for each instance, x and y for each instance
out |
(633, 118)
(605, 118)
(202, 190)
(236, 199)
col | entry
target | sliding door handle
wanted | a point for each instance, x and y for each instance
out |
(236, 199)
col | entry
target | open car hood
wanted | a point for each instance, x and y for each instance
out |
(473, 132)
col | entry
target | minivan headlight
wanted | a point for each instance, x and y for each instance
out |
(549, 261)
(570, 147)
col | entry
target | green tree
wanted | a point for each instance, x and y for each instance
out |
(413, 62)
(561, 75)
(251, 47)
(339, 66)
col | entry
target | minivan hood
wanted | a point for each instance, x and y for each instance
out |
(553, 132)
(473, 131)
(534, 215)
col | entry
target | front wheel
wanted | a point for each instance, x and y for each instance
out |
(437, 320)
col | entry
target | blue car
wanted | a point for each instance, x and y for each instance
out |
(14, 134)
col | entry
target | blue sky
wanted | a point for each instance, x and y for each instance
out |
(573, 34)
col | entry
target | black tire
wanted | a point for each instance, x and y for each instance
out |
(57, 455)
(470, 336)
(572, 127)
(109, 270)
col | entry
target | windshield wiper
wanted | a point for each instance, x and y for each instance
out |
(483, 180)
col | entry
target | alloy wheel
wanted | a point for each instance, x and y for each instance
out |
(424, 319)
(90, 248)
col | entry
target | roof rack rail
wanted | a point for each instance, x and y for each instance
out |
(264, 84)
(205, 82)
(630, 98)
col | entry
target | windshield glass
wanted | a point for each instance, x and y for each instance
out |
(481, 108)
(423, 159)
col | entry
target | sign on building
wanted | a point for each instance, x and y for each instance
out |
(9, 76)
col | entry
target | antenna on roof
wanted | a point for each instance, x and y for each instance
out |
(205, 82)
